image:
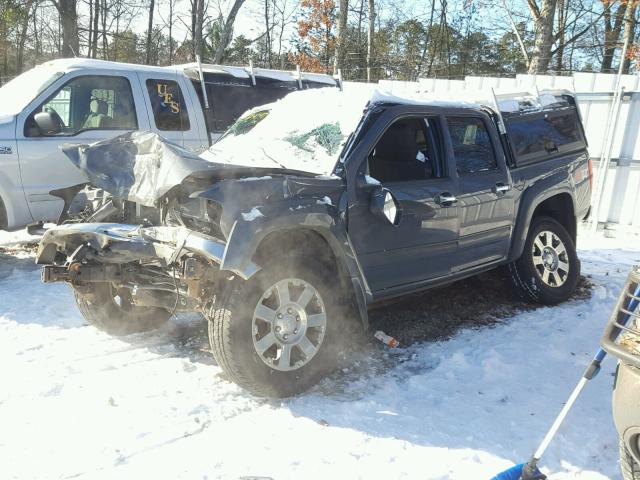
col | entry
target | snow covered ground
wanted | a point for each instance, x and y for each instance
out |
(76, 403)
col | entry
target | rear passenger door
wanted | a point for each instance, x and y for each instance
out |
(171, 110)
(485, 199)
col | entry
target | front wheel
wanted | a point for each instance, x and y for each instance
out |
(548, 269)
(628, 465)
(275, 334)
(110, 309)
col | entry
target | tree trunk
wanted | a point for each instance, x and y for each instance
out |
(543, 18)
(225, 38)
(69, 22)
(370, 32)
(267, 33)
(171, 4)
(22, 36)
(611, 36)
(36, 37)
(562, 25)
(94, 39)
(629, 33)
(90, 35)
(199, 25)
(150, 32)
(341, 44)
(103, 18)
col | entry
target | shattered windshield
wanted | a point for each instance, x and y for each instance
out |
(245, 123)
(304, 131)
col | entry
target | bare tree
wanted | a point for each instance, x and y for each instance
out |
(225, 37)
(69, 23)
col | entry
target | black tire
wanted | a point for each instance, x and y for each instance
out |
(629, 467)
(232, 334)
(100, 308)
(527, 277)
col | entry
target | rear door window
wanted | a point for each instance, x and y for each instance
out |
(541, 136)
(472, 147)
(168, 105)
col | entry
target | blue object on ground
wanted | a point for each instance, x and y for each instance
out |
(513, 473)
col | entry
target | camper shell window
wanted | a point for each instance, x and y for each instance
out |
(540, 136)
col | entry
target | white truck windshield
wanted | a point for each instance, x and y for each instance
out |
(16, 94)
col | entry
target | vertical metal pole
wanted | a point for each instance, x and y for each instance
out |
(299, 74)
(251, 72)
(501, 127)
(610, 132)
(605, 157)
(204, 90)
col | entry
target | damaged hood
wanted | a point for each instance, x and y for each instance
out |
(142, 167)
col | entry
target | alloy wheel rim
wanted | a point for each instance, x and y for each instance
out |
(289, 324)
(550, 259)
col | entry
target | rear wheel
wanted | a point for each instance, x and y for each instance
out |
(276, 334)
(548, 269)
(110, 309)
(628, 465)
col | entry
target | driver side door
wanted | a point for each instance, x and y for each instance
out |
(409, 160)
(84, 109)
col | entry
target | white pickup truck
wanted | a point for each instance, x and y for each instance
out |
(83, 101)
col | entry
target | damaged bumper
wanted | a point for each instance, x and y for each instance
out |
(109, 243)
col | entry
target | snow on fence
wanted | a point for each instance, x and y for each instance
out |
(620, 199)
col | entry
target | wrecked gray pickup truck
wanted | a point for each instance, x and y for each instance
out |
(309, 210)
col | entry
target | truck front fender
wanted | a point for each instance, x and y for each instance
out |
(248, 233)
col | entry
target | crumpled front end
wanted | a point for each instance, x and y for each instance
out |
(165, 266)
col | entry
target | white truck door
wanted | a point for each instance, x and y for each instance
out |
(172, 111)
(82, 108)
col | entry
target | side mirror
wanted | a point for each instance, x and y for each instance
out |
(47, 123)
(385, 206)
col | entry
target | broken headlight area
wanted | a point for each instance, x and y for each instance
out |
(168, 267)
(197, 214)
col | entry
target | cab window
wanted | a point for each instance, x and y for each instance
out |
(85, 103)
(471, 144)
(169, 109)
(407, 151)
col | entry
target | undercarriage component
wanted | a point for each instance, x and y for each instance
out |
(172, 301)
(78, 273)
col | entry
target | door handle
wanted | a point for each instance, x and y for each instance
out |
(500, 188)
(445, 199)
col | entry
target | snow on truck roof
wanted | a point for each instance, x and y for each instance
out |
(234, 71)
(307, 129)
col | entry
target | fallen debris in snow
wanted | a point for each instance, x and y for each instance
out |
(386, 339)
